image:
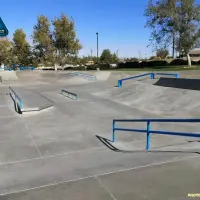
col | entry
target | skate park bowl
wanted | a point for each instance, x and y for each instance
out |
(152, 76)
(148, 131)
(68, 94)
(56, 153)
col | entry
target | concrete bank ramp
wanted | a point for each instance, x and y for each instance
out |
(31, 100)
(102, 75)
(74, 80)
(181, 83)
(155, 99)
(8, 75)
(37, 75)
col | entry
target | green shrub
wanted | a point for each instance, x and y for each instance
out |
(178, 62)
(92, 67)
(129, 65)
(195, 62)
(80, 68)
(154, 63)
(69, 68)
(104, 67)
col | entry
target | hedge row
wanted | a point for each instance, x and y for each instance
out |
(139, 65)
(135, 64)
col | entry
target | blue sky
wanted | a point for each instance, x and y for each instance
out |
(120, 23)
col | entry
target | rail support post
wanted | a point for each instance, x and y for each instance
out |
(20, 104)
(114, 135)
(148, 136)
(119, 83)
(152, 76)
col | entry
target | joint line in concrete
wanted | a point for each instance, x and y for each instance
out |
(98, 175)
(103, 186)
(40, 154)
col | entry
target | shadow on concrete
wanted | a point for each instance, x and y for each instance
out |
(181, 83)
(108, 143)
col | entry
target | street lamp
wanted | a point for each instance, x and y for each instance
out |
(117, 53)
(97, 46)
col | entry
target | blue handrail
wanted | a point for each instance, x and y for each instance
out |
(148, 131)
(152, 75)
(16, 98)
(176, 75)
(133, 77)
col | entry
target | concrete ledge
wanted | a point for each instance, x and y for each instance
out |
(28, 100)
(69, 94)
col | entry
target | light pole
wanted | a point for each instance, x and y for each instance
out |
(91, 53)
(139, 54)
(97, 46)
(117, 53)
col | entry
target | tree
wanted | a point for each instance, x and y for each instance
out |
(162, 53)
(114, 58)
(21, 48)
(5, 51)
(66, 43)
(187, 25)
(177, 20)
(106, 56)
(160, 16)
(43, 42)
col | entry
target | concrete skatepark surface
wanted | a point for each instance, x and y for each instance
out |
(64, 152)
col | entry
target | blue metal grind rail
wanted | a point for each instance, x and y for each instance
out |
(69, 94)
(16, 98)
(148, 130)
(152, 76)
(176, 75)
(133, 77)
